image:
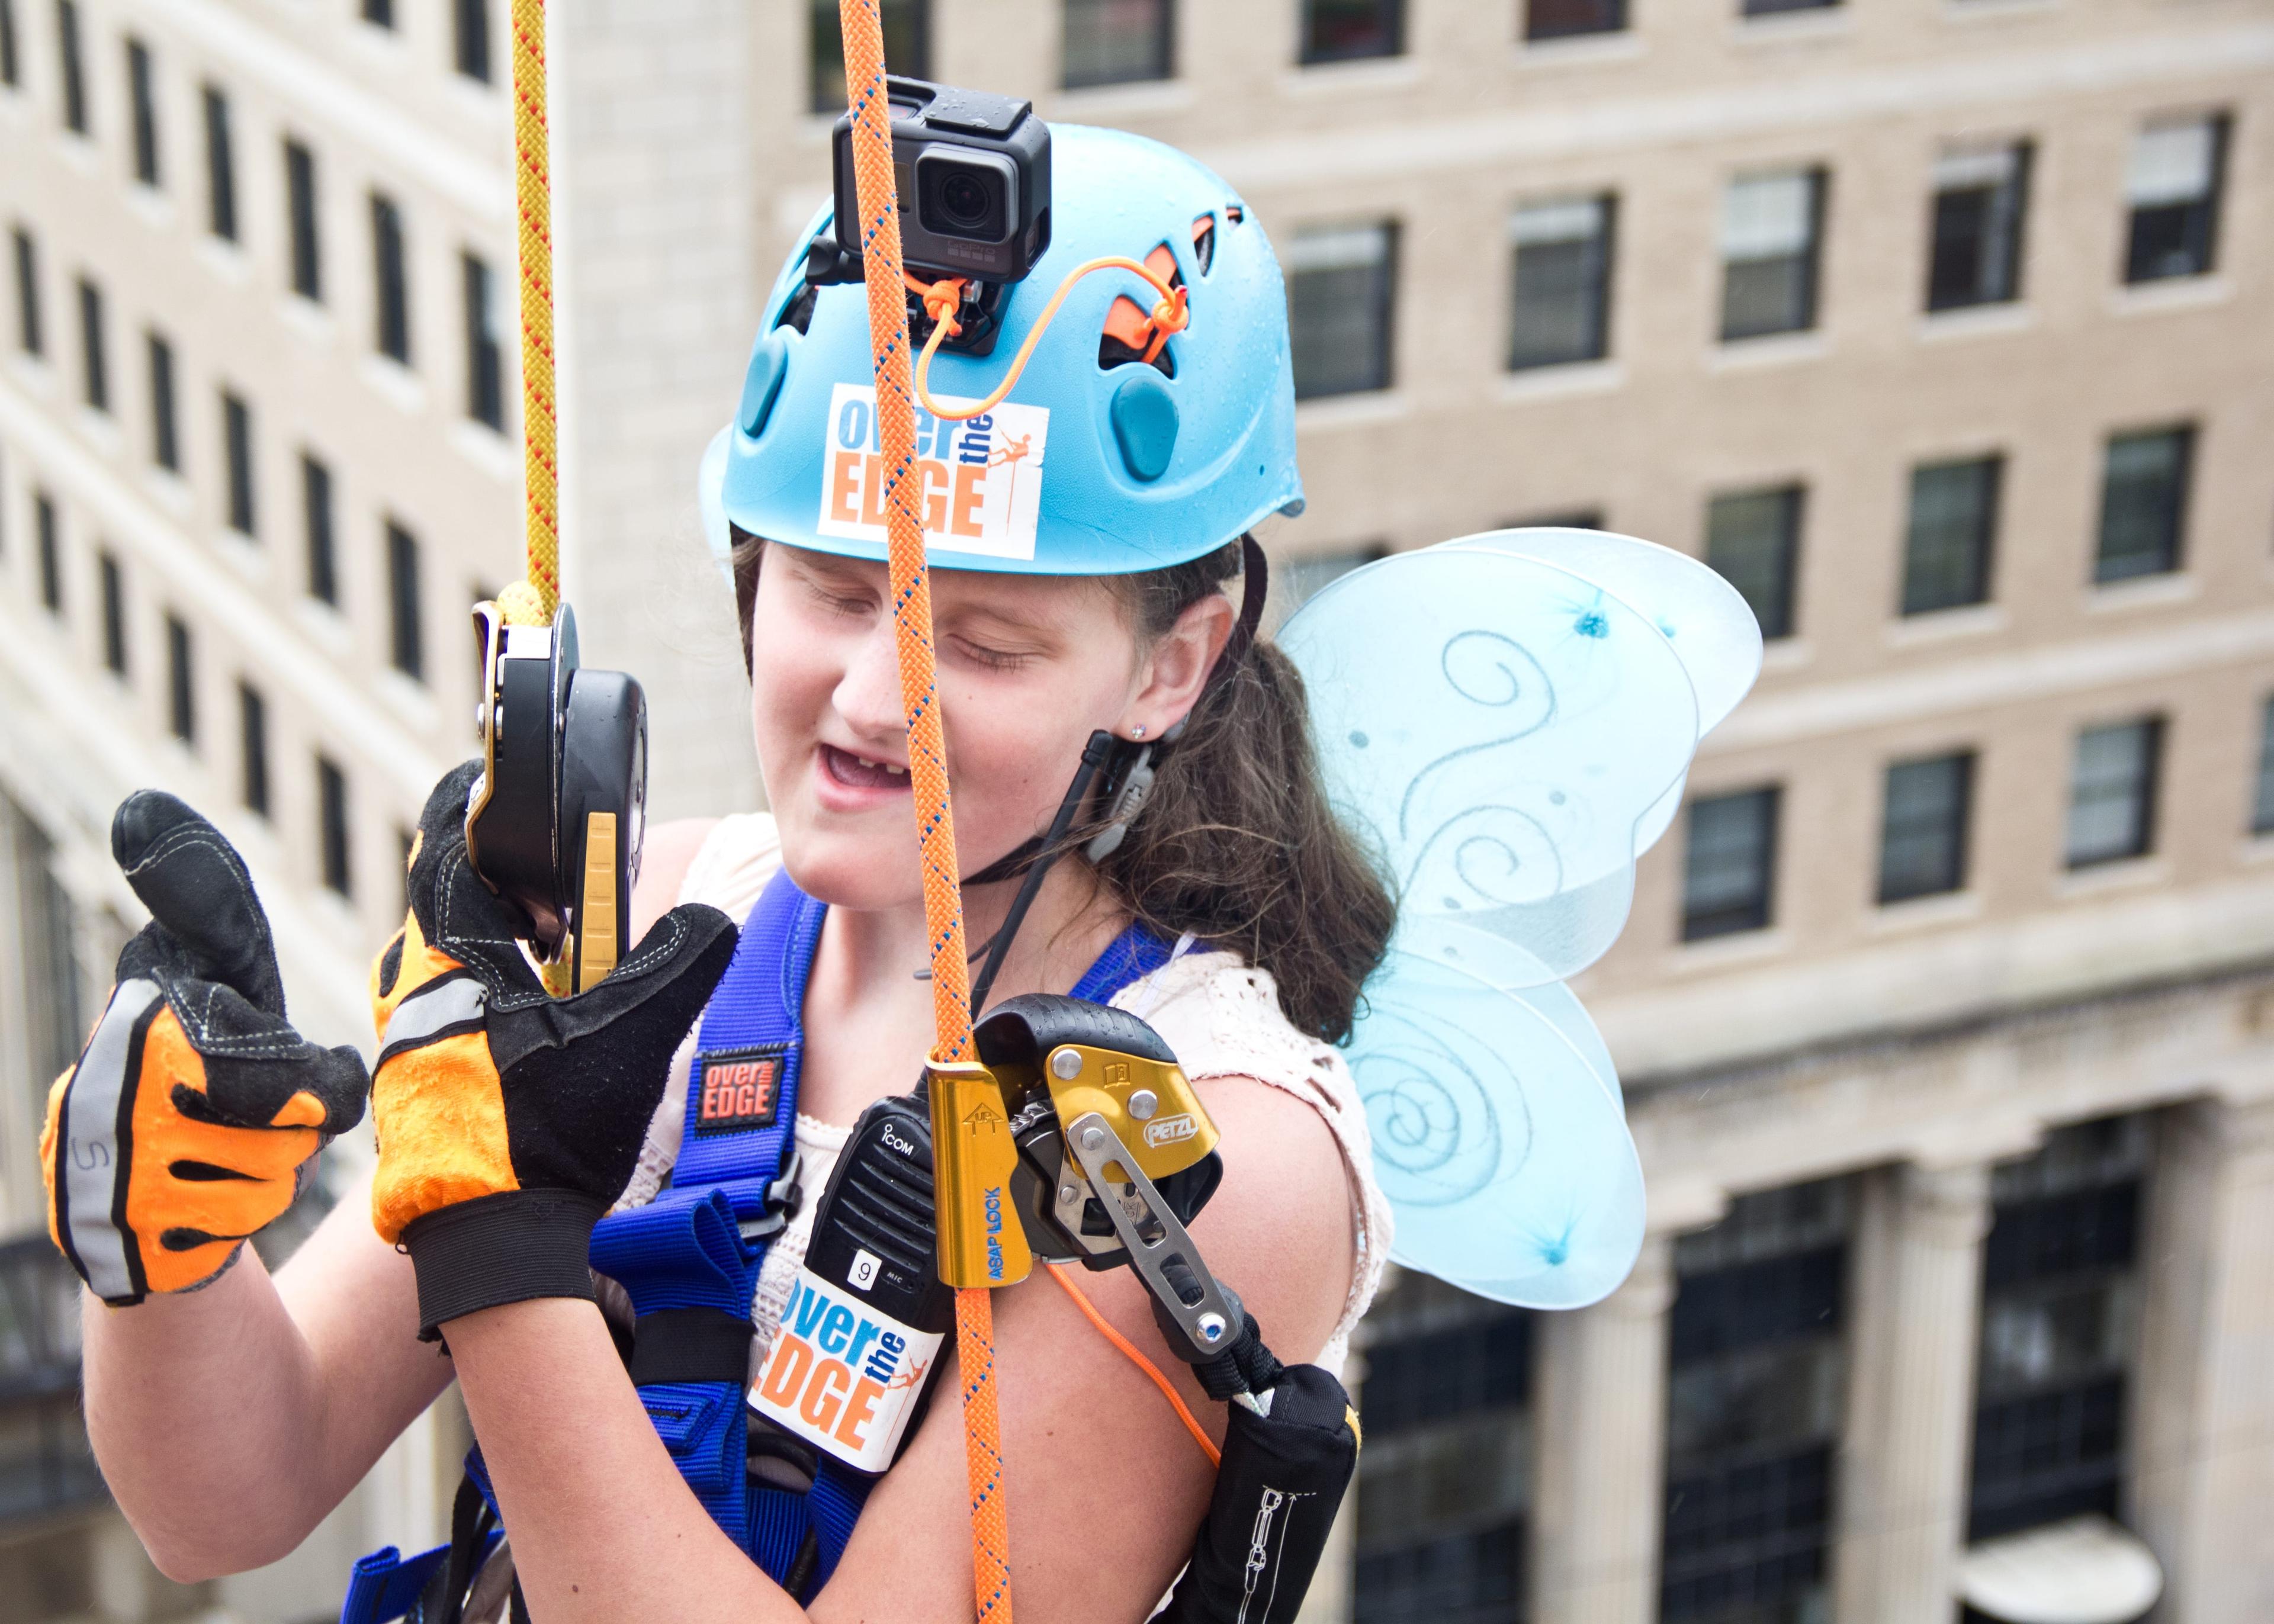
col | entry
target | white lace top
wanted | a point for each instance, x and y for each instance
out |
(1220, 1017)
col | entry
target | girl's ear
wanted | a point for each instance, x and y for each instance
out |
(1177, 667)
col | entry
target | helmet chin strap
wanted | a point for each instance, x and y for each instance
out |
(1129, 769)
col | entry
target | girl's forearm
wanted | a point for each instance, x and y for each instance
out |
(603, 1527)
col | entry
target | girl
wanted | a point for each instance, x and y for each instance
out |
(1083, 535)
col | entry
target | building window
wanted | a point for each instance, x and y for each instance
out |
(1556, 19)
(1346, 30)
(237, 432)
(1923, 829)
(379, 13)
(2173, 188)
(406, 641)
(1766, 8)
(1771, 226)
(1562, 292)
(220, 169)
(11, 67)
(252, 747)
(1752, 538)
(1755, 1368)
(300, 194)
(31, 331)
(390, 280)
(2262, 807)
(114, 613)
(331, 826)
(72, 65)
(51, 552)
(470, 38)
(484, 346)
(1119, 41)
(1341, 287)
(2060, 1328)
(181, 682)
(2143, 504)
(316, 509)
(1980, 199)
(94, 372)
(1954, 525)
(165, 435)
(1443, 1501)
(1730, 869)
(2111, 798)
(907, 48)
(143, 96)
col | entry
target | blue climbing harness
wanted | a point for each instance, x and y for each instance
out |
(690, 1262)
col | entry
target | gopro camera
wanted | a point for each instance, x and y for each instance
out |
(973, 173)
(555, 822)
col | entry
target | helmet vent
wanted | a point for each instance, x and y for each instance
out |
(1129, 325)
(799, 312)
(1204, 241)
(1234, 213)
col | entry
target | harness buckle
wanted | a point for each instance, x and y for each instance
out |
(784, 1197)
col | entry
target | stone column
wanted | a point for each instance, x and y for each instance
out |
(1600, 1409)
(2203, 1425)
(1915, 1304)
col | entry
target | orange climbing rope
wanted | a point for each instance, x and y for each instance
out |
(532, 603)
(911, 589)
(942, 299)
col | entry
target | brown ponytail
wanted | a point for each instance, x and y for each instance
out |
(1237, 844)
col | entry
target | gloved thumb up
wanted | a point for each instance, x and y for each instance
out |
(508, 1121)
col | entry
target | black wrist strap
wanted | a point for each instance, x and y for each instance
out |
(511, 1247)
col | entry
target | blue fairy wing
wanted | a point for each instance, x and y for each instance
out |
(1508, 720)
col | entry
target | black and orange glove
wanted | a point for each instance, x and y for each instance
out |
(509, 1121)
(194, 1115)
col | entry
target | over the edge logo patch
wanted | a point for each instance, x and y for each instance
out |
(979, 484)
(738, 1088)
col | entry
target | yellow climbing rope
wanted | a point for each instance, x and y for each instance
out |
(911, 589)
(532, 602)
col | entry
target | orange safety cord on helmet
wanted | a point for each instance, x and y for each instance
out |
(862, 24)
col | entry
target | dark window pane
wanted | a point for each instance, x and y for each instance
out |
(1340, 292)
(252, 747)
(181, 686)
(406, 640)
(2111, 806)
(380, 14)
(2262, 806)
(1954, 524)
(1118, 41)
(1551, 20)
(316, 506)
(907, 48)
(1923, 827)
(31, 332)
(1770, 228)
(484, 346)
(1341, 30)
(237, 432)
(1979, 200)
(300, 192)
(12, 65)
(51, 552)
(94, 371)
(72, 65)
(143, 96)
(1763, 8)
(220, 167)
(1563, 295)
(114, 616)
(1752, 537)
(390, 281)
(331, 826)
(2178, 172)
(2143, 504)
(1730, 874)
(470, 38)
(1463, 1578)
(165, 435)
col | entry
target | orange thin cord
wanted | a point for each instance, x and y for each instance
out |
(942, 299)
(1059, 1273)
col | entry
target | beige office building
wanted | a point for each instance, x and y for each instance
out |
(1939, 327)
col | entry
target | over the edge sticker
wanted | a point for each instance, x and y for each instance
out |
(980, 482)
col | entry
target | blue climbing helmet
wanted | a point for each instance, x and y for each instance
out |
(1098, 462)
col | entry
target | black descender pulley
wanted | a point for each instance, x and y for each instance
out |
(555, 822)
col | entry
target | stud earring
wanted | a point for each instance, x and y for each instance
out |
(1137, 732)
